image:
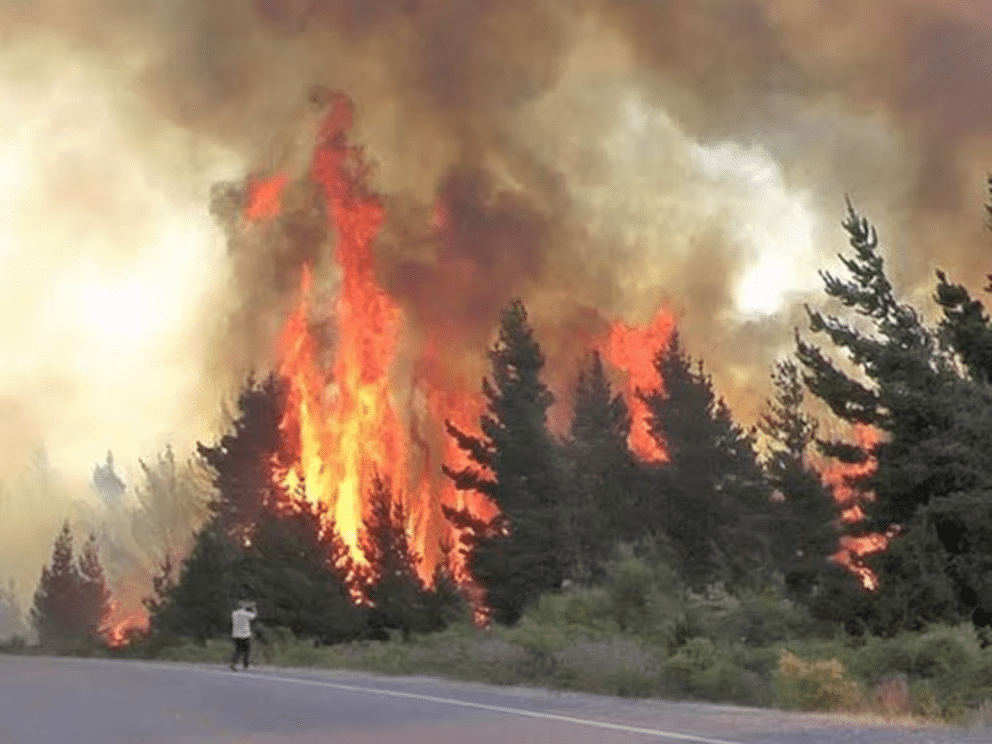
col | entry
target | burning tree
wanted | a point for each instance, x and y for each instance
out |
(72, 601)
(398, 598)
(518, 554)
(919, 504)
(261, 541)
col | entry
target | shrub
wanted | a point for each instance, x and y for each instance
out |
(703, 669)
(582, 608)
(818, 685)
(617, 666)
(879, 658)
(892, 696)
(755, 618)
(941, 655)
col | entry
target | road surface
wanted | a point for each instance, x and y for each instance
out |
(88, 701)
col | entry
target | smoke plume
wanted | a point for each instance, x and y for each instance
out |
(596, 158)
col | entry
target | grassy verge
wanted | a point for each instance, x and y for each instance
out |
(644, 635)
(942, 675)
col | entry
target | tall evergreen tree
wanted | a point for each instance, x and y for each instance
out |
(519, 555)
(604, 485)
(801, 516)
(54, 613)
(260, 542)
(712, 482)
(297, 568)
(241, 462)
(399, 599)
(94, 595)
(933, 449)
(72, 602)
(198, 603)
(966, 327)
(108, 483)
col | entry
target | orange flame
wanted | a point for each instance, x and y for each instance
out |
(841, 478)
(122, 625)
(340, 426)
(632, 350)
(265, 197)
(342, 429)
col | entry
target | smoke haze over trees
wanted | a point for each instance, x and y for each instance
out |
(626, 153)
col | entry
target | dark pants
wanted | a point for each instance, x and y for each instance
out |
(242, 648)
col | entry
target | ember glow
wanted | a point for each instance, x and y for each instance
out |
(840, 477)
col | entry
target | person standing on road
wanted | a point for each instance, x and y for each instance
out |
(241, 633)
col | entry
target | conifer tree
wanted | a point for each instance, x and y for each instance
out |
(605, 485)
(198, 603)
(712, 483)
(298, 569)
(398, 597)
(932, 452)
(260, 542)
(53, 614)
(241, 462)
(801, 516)
(519, 555)
(94, 595)
(72, 602)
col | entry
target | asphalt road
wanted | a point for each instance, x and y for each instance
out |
(80, 701)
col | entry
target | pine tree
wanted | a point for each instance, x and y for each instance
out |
(260, 542)
(299, 570)
(519, 555)
(199, 603)
(605, 483)
(398, 598)
(966, 327)
(241, 462)
(932, 442)
(107, 483)
(94, 596)
(55, 614)
(801, 516)
(712, 482)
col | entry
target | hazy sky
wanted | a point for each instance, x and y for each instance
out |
(614, 154)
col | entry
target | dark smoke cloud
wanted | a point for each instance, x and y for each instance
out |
(594, 157)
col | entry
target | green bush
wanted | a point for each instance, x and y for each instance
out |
(582, 608)
(702, 669)
(818, 685)
(877, 658)
(939, 656)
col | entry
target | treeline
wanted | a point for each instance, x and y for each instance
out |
(720, 512)
(732, 506)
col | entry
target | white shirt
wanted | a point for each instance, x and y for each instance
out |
(241, 623)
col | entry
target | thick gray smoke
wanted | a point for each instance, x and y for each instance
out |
(595, 157)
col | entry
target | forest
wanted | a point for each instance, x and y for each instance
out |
(731, 569)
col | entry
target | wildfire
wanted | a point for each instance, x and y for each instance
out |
(122, 625)
(632, 351)
(840, 477)
(341, 426)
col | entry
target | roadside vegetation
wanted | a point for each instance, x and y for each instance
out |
(770, 566)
